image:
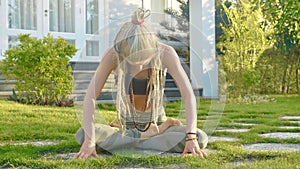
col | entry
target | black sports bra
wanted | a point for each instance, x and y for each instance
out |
(139, 86)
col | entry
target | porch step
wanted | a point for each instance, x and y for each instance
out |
(5, 95)
(85, 66)
(7, 85)
(83, 73)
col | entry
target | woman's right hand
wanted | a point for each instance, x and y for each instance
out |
(86, 151)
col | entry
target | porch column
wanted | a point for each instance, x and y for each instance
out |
(203, 65)
(104, 26)
(3, 28)
(157, 10)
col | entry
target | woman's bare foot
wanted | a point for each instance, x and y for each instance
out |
(167, 124)
(115, 125)
(156, 130)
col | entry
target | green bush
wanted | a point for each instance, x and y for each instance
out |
(41, 69)
(183, 53)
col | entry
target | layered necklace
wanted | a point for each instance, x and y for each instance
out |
(132, 100)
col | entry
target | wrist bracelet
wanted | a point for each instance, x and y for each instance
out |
(191, 133)
(191, 139)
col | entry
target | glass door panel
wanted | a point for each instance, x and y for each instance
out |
(92, 48)
(62, 15)
(92, 17)
(22, 14)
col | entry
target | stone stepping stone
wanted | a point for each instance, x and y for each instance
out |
(219, 138)
(245, 124)
(289, 127)
(272, 147)
(281, 135)
(232, 130)
(34, 143)
(292, 118)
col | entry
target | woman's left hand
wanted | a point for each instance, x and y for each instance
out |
(192, 148)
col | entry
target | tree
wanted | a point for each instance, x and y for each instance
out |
(220, 17)
(244, 39)
(285, 16)
(182, 17)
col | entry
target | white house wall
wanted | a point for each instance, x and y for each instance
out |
(112, 14)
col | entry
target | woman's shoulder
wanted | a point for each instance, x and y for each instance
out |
(167, 52)
(166, 48)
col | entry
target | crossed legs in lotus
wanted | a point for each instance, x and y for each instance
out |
(154, 129)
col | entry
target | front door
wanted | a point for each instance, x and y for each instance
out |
(77, 21)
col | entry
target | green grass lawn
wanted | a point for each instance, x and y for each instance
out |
(20, 123)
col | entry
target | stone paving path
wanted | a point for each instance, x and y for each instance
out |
(293, 118)
(281, 135)
(256, 146)
(289, 127)
(34, 143)
(272, 147)
(232, 130)
(245, 124)
(220, 138)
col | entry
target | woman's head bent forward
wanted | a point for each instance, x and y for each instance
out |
(136, 42)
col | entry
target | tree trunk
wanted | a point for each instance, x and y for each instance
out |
(298, 76)
(283, 83)
(289, 77)
(297, 80)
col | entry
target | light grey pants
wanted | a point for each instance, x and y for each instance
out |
(110, 139)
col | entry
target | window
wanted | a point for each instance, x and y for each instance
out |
(92, 48)
(22, 14)
(71, 41)
(13, 41)
(62, 15)
(92, 18)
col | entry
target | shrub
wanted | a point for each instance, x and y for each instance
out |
(41, 69)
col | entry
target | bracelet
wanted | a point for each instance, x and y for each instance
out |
(191, 133)
(191, 139)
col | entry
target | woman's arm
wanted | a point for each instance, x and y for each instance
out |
(105, 67)
(171, 61)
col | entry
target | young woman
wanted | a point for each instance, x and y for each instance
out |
(140, 62)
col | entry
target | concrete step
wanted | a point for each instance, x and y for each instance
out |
(83, 84)
(5, 94)
(106, 94)
(1, 76)
(7, 85)
(170, 83)
(83, 74)
(85, 66)
(172, 92)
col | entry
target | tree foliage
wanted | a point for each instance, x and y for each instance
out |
(40, 68)
(285, 16)
(244, 39)
(182, 17)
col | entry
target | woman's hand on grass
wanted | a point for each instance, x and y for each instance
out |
(86, 151)
(192, 148)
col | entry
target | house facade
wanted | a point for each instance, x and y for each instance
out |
(92, 24)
